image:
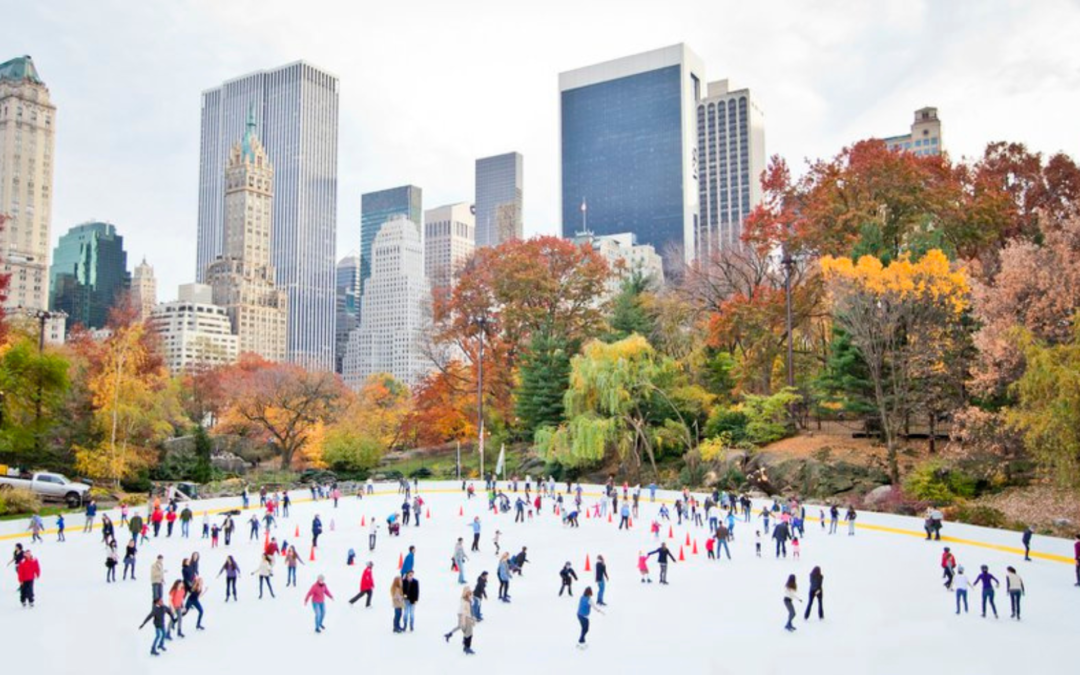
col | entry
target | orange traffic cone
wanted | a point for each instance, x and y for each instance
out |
(681, 556)
(363, 521)
(670, 532)
(586, 514)
(266, 540)
(556, 510)
(400, 560)
(687, 538)
(609, 517)
(588, 567)
(629, 522)
(297, 532)
(695, 547)
(312, 558)
(428, 513)
(461, 510)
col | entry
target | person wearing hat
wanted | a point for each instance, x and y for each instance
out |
(948, 564)
(568, 577)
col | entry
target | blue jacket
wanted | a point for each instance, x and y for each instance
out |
(584, 606)
(316, 526)
(504, 571)
(407, 565)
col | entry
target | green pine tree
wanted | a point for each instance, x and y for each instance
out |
(545, 374)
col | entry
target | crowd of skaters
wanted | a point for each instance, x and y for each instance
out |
(719, 512)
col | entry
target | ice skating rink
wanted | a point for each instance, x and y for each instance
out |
(885, 608)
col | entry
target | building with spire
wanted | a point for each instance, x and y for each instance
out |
(27, 135)
(242, 278)
(89, 274)
(394, 309)
(143, 290)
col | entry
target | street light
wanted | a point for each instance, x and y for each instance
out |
(788, 264)
(481, 322)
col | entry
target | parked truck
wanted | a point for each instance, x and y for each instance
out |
(48, 486)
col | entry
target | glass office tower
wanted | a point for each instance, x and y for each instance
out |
(89, 276)
(378, 207)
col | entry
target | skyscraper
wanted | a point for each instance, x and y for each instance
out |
(89, 274)
(925, 136)
(144, 290)
(194, 332)
(348, 305)
(449, 238)
(296, 110)
(731, 157)
(27, 132)
(500, 200)
(394, 309)
(378, 207)
(242, 277)
(629, 148)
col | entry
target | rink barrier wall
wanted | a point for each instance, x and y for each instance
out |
(870, 527)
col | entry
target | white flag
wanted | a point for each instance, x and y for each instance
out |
(502, 459)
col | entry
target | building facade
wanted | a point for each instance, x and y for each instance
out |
(27, 143)
(89, 276)
(731, 159)
(500, 199)
(394, 309)
(195, 333)
(625, 257)
(449, 239)
(348, 305)
(296, 109)
(143, 290)
(378, 207)
(242, 277)
(629, 148)
(925, 136)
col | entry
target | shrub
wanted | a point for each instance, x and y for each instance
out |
(346, 453)
(140, 482)
(985, 516)
(424, 472)
(767, 417)
(938, 483)
(18, 501)
(726, 421)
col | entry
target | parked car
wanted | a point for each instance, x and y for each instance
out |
(48, 486)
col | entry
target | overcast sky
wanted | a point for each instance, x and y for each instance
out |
(427, 86)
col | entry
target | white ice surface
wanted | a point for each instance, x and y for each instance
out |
(886, 611)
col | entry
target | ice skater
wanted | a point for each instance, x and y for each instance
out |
(817, 580)
(1026, 540)
(948, 565)
(27, 572)
(177, 594)
(961, 585)
(850, 518)
(193, 601)
(988, 581)
(265, 571)
(367, 585)
(410, 586)
(503, 572)
(157, 614)
(585, 607)
(663, 557)
(476, 534)
(317, 594)
(459, 560)
(231, 571)
(466, 620)
(112, 559)
(1014, 585)
(568, 576)
(791, 594)
(292, 559)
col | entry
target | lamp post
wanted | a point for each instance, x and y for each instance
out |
(788, 264)
(481, 323)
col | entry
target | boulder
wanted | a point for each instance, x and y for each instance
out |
(878, 495)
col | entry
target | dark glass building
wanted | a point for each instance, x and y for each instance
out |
(378, 207)
(629, 148)
(88, 276)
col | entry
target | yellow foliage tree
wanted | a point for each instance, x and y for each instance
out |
(906, 320)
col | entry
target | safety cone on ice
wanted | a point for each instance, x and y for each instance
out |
(297, 535)
(586, 514)
(556, 510)
(400, 560)
(670, 532)
(428, 514)
(687, 538)
(629, 522)
(588, 567)
(681, 556)
(461, 510)
(311, 558)
(609, 517)
(695, 547)
(363, 521)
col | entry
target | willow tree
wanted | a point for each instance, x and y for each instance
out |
(619, 401)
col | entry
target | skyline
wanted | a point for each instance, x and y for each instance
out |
(133, 161)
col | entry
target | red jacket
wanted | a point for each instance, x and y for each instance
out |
(28, 570)
(367, 581)
(318, 593)
(947, 560)
(157, 516)
(171, 516)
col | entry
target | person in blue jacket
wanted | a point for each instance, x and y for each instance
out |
(585, 607)
(407, 564)
(664, 556)
(316, 530)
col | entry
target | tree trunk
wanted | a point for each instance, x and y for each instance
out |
(933, 432)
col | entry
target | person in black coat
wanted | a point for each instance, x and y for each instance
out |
(601, 579)
(781, 534)
(479, 593)
(816, 580)
(410, 588)
(568, 577)
(664, 556)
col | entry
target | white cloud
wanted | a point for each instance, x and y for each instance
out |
(429, 85)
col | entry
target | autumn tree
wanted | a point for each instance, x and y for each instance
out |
(283, 404)
(444, 409)
(135, 406)
(906, 320)
(33, 384)
(372, 422)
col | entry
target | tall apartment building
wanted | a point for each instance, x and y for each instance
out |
(731, 158)
(629, 148)
(378, 207)
(924, 137)
(348, 305)
(296, 109)
(242, 277)
(195, 333)
(27, 143)
(625, 257)
(89, 276)
(143, 290)
(449, 239)
(394, 309)
(500, 199)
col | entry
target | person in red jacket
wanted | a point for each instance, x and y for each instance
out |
(271, 548)
(170, 518)
(367, 585)
(155, 519)
(28, 570)
(948, 564)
